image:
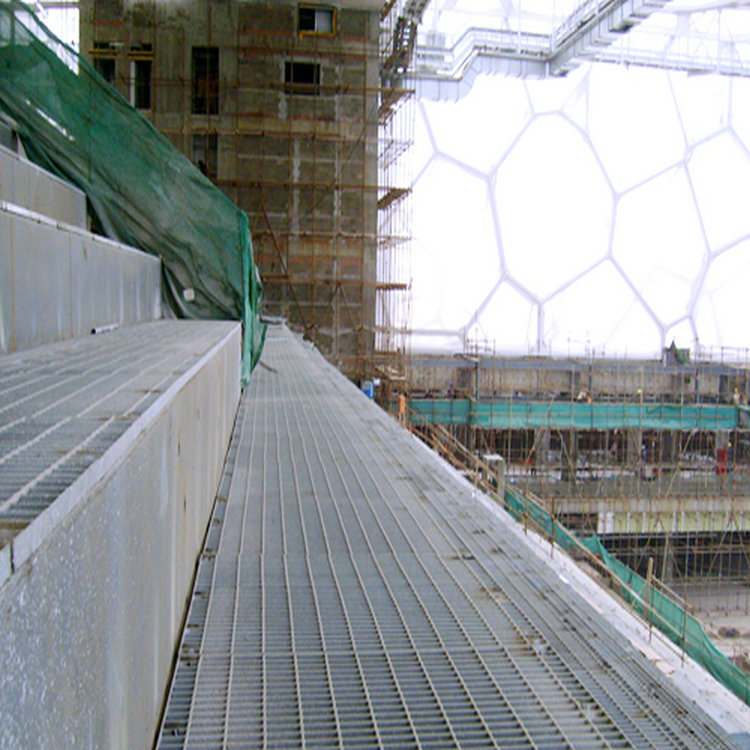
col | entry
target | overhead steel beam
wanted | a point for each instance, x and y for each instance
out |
(591, 33)
(594, 26)
(439, 71)
(693, 64)
(448, 73)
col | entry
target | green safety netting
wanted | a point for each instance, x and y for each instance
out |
(141, 189)
(576, 415)
(681, 628)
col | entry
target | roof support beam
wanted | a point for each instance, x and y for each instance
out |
(594, 26)
(592, 33)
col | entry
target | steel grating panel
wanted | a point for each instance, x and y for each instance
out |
(359, 597)
(63, 405)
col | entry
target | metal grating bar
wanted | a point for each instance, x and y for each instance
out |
(360, 597)
(63, 405)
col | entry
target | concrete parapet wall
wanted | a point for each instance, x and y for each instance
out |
(58, 282)
(92, 617)
(24, 184)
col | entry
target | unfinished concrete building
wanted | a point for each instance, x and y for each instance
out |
(654, 457)
(281, 105)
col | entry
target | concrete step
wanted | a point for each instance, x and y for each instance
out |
(28, 186)
(111, 451)
(58, 281)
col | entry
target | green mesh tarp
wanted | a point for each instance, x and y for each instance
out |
(577, 415)
(670, 618)
(665, 614)
(142, 190)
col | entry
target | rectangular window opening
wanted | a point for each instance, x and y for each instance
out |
(316, 20)
(302, 78)
(205, 81)
(103, 56)
(140, 83)
(105, 67)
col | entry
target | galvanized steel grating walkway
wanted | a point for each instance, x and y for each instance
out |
(352, 594)
(63, 405)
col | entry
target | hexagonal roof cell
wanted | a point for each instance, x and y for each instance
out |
(423, 149)
(721, 311)
(740, 106)
(600, 311)
(554, 206)
(554, 94)
(674, 147)
(576, 105)
(703, 103)
(508, 321)
(658, 242)
(426, 291)
(454, 225)
(478, 129)
(633, 122)
(720, 171)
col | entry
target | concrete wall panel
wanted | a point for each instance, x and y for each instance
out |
(60, 282)
(41, 283)
(91, 620)
(7, 325)
(24, 184)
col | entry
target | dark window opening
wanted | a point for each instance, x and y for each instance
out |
(205, 154)
(105, 67)
(205, 80)
(313, 20)
(104, 54)
(141, 83)
(302, 78)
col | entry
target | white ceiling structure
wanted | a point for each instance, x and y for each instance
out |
(565, 205)
(459, 39)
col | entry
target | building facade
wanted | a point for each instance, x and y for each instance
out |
(278, 104)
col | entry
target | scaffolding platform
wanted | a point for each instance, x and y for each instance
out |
(352, 592)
